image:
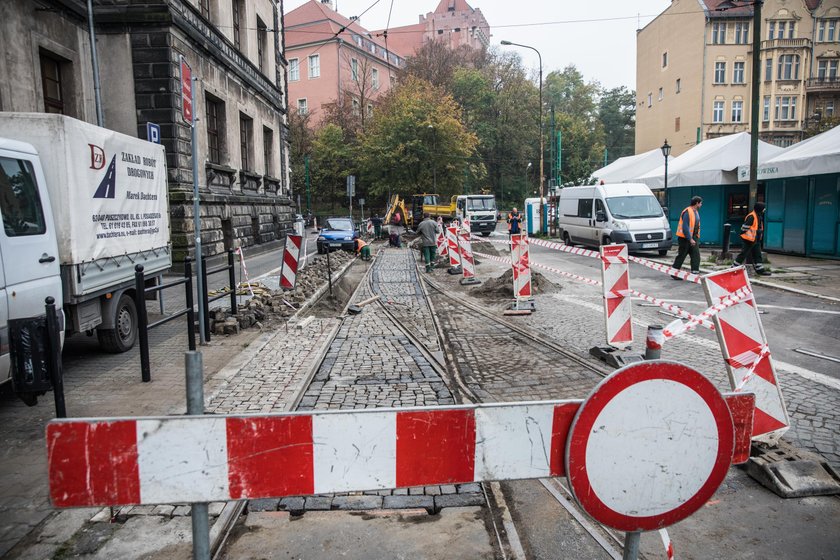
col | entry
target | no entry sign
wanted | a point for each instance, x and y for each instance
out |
(650, 446)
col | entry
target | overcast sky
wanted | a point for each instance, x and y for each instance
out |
(597, 36)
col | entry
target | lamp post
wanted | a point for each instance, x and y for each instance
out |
(434, 164)
(525, 189)
(543, 225)
(666, 151)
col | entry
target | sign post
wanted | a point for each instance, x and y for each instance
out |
(351, 191)
(187, 100)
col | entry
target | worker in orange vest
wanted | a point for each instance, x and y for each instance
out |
(688, 236)
(513, 220)
(752, 233)
(362, 249)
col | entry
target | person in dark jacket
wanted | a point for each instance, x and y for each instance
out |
(752, 234)
(688, 236)
(514, 219)
(428, 230)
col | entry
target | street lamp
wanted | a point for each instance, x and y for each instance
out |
(543, 224)
(434, 164)
(666, 151)
(525, 189)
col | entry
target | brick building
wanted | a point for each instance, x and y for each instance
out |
(233, 46)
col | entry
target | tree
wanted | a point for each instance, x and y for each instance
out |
(354, 106)
(821, 125)
(332, 162)
(300, 146)
(436, 63)
(617, 113)
(416, 141)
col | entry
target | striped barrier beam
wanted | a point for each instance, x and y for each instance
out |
(748, 360)
(176, 459)
(452, 242)
(467, 259)
(520, 261)
(291, 256)
(618, 311)
(442, 245)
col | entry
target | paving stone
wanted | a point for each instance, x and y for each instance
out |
(181, 511)
(459, 500)
(448, 489)
(357, 502)
(408, 502)
(265, 504)
(471, 487)
(163, 510)
(293, 503)
(318, 502)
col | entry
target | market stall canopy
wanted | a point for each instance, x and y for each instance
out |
(815, 156)
(713, 162)
(630, 167)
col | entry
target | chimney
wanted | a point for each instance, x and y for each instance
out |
(328, 3)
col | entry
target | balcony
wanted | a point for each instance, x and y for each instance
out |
(823, 84)
(785, 44)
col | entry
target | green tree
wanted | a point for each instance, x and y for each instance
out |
(414, 141)
(617, 113)
(332, 161)
(300, 146)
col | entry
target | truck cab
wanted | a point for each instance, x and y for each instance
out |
(481, 211)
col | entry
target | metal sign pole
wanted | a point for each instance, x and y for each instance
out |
(631, 545)
(195, 407)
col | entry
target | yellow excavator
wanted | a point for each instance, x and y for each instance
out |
(397, 206)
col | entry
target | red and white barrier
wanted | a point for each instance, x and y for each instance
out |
(174, 459)
(618, 311)
(521, 262)
(452, 242)
(745, 351)
(442, 245)
(241, 254)
(370, 229)
(467, 259)
(291, 256)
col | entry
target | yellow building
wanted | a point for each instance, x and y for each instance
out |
(694, 69)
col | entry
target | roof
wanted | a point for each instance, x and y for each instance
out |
(630, 167)
(315, 21)
(713, 162)
(456, 5)
(815, 156)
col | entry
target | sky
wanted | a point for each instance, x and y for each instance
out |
(597, 36)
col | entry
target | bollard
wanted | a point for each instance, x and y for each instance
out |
(204, 298)
(724, 252)
(329, 272)
(190, 302)
(54, 362)
(631, 545)
(232, 280)
(194, 367)
(653, 344)
(142, 323)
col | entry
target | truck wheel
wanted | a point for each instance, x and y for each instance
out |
(566, 239)
(124, 334)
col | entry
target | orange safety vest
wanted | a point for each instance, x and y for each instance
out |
(359, 245)
(512, 217)
(692, 220)
(751, 234)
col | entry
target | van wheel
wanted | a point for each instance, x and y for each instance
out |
(663, 252)
(485, 234)
(124, 334)
(566, 239)
(607, 241)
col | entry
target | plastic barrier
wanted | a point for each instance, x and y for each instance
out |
(618, 311)
(467, 259)
(291, 256)
(521, 262)
(454, 252)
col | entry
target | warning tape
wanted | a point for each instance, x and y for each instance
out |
(596, 255)
(666, 541)
(244, 269)
(677, 327)
(765, 350)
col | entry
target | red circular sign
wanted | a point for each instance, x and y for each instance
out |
(650, 446)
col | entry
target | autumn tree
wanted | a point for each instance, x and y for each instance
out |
(617, 114)
(331, 162)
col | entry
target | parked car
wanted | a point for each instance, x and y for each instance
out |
(337, 233)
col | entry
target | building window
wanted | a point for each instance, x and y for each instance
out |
(827, 69)
(766, 113)
(677, 87)
(738, 73)
(665, 60)
(785, 108)
(52, 84)
(661, 94)
(354, 69)
(262, 40)
(315, 66)
(215, 128)
(204, 7)
(742, 32)
(650, 99)
(236, 7)
(246, 141)
(771, 30)
(768, 69)
(374, 78)
(268, 149)
(719, 33)
(788, 67)
(356, 107)
(737, 111)
(717, 112)
(791, 27)
(829, 108)
(826, 30)
(369, 109)
(720, 72)
(303, 108)
(294, 69)
(676, 124)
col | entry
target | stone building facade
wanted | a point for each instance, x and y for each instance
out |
(234, 48)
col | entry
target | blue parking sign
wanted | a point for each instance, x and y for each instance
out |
(153, 132)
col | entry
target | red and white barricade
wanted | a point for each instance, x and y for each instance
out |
(615, 274)
(442, 245)
(467, 259)
(370, 227)
(291, 256)
(521, 263)
(452, 242)
(241, 254)
(745, 351)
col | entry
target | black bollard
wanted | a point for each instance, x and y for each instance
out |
(190, 303)
(142, 323)
(232, 279)
(724, 253)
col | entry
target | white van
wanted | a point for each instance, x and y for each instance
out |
(626, 213)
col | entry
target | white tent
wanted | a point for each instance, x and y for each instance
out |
(713, 162)
(630, 167)
(815, 156)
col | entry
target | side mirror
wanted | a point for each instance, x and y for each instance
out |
(665, 210)
(600, 216)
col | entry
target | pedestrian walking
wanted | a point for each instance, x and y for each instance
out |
(428, 230)
(514, 220)
(377, 226)
(688, 237)
(752, 234)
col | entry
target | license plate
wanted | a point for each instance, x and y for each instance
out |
(335, 244)
(650, 245)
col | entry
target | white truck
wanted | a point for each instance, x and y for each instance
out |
(80, 206)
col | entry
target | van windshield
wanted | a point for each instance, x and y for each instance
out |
(483, 203)
(642, 206)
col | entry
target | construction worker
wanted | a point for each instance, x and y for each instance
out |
(688, 236)
(362, 249)
(428, 230)
(752, 232)
(513, 220)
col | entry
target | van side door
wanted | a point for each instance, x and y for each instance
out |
(28, 240)
(5, 362)
(599, 212)
(586, 219)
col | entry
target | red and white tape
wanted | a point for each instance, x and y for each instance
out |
(241, 254)
(756, 359)
(677, 327)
